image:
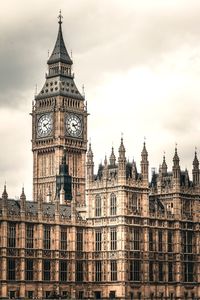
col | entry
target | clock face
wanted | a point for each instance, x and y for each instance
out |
(44, 125)
(74, 125)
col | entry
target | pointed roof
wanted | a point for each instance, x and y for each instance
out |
(195, 161)
(164, 165)
(176, 157)
(121, 147)
(23, 196)
(5, 194)
(60, 53)
(112, 157)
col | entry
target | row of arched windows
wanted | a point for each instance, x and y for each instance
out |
(113, 205)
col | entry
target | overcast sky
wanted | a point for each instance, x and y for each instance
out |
(139, 62)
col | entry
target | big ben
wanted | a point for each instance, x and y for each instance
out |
(59, 121)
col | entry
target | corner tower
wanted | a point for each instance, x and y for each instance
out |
(59, 120)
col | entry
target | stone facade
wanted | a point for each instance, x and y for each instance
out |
(113, 235)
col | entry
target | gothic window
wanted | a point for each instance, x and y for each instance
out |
(160, 271)
(170, 241)
(79, 271)
(81, 295)
(47, 237)
(113, 205)
(170, 271)
(151, 271)
(113, 238)
(98, 267)
(160, 244)
(98, 238)
(29, 235)
(98, 206)
(187, 241)
(46, 270)
(79, 240)
(63, 270)
(134, 205)
(112, 295)
(188, 271)
(11, 269)
(150, 239)
(11, 235)
(113, 270)
(187, 207)
(63, 238)
(135, 270)
(135, 238)
(29, 269)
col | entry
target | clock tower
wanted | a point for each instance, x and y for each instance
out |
(59, 127)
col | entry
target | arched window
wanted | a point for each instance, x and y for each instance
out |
(134, 205)
(113, 204)
(98, 206)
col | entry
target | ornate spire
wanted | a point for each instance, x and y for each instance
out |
(176, 158)
(5, 194)
(90, 154)
(105, 161)
(164, 165)
(112, 158)
(23, 196)
(144, 153)
(195, 161)
(122, 149)
(195, 170)
(60, 53)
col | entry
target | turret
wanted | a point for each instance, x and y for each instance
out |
(176, 169)
(90, 164)
(195, 170)
(112, 158)
(23, 200)
(4, 201)
(4, 194)
(145, 166)
(122, 161)
(164, 166)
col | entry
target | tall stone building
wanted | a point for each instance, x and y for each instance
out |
(113, 235)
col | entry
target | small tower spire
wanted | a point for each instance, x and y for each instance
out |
(164, 165)
(195, 170)
(5, 194)
(112, 158)
(122, 162)
(176, 168)
(145, 165)
(23, 196)
(90, 163)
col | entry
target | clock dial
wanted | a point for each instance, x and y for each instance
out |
(74, 125)
(44, 125)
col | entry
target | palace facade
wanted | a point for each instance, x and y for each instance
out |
(115, 235)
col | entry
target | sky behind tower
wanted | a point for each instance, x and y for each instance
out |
(138, 60)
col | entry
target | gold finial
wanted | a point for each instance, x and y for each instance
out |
(60, 17)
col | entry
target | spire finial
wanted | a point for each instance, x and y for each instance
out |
(60, 17)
